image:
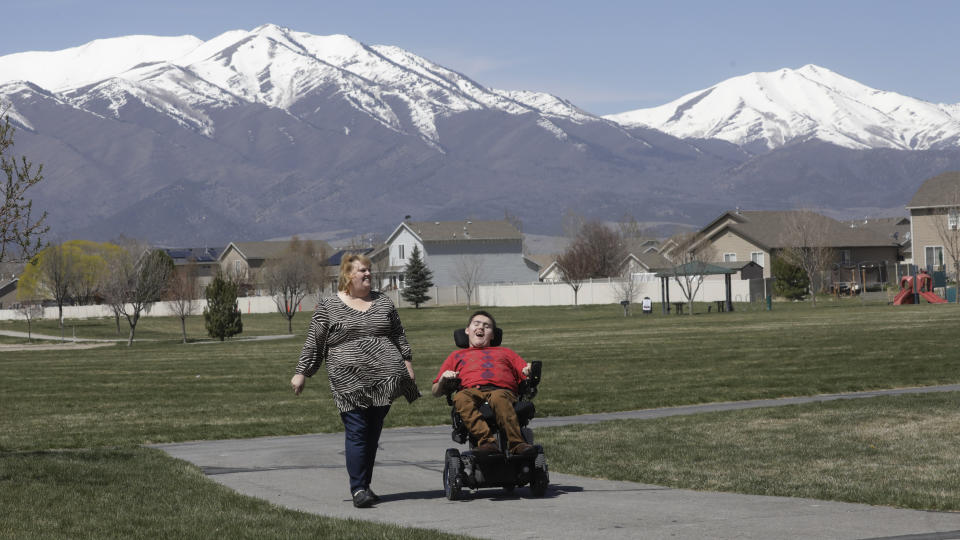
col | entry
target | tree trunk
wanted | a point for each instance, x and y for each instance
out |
(183, 328)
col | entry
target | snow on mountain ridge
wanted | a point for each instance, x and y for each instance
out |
(274, 66)
(776, 108)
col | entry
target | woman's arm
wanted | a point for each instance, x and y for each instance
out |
(311, 356)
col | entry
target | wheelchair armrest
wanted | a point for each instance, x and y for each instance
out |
(528, 387)
(448, 387)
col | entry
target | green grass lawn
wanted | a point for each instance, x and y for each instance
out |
(893, 451)
(58, 407)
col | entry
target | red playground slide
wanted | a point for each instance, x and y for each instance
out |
(932, 297)
(905, 296)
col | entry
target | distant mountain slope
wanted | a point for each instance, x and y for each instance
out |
(272, 132)
(770, 110)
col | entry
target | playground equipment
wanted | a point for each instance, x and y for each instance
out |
(924, 285)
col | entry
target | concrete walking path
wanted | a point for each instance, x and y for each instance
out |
(307, 473)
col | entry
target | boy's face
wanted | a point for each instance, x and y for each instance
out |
(480, 331)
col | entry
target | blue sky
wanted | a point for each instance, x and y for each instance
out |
(604, 56)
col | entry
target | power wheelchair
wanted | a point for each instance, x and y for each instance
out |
(474, 470)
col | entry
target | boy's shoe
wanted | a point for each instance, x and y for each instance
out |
(523, 449)
(362, 498)
(490, 448)
(374, 496)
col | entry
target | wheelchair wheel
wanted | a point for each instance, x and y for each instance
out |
(451, 475)
(540, 480)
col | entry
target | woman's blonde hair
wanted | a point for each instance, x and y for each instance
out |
(346, 266)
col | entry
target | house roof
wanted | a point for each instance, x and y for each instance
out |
(735, 265)
(446, 231)
(542, 260)
(336, 258)
(653, 260)
(200, 255)
(896, 228)
(696, 268)
(269, 250)
(765, 228)
(940, 191)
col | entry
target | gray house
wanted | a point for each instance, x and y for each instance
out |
(493, 249)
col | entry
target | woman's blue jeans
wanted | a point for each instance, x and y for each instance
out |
(362, 429)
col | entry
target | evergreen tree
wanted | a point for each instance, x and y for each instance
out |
(417, 281)
(789, 281)
(221, 314)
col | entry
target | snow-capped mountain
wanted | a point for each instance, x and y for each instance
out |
(787, 106)
(272, 132)
(272, 66)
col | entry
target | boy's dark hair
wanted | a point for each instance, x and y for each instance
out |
(485, 314)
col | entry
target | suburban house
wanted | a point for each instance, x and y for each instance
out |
(205, 262)
(935, 220)
(8, 292)
(244, 260)
(897, 228)
(758, 236)
(448, 247)
(643, 262)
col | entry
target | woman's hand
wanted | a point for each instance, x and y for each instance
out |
(297, 383)
(409, 365)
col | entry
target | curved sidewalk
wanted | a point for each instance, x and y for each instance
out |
(307, 473)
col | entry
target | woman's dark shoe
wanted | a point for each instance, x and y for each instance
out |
(374, 496)
(363, 498)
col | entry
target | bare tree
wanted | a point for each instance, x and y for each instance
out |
(20, 234)
(184, 294)
(690, 261)
(596, 252)
(379, 270)
(468, 272)
(137, 277)
(626, 290)
(292, 276)
(806, 244)
(31, 310)
(50, 274)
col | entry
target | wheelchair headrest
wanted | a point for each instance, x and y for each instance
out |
(462, 341)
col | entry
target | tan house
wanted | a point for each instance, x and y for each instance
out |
(935, 220)
(758, 236)
(244, 260)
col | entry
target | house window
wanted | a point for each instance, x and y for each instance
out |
(729, 257)
(934, 257)
(238, 268)
(953, 219)
(757, 257)
(844, 256)
(400, 253)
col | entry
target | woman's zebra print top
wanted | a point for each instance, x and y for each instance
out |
(364, 351)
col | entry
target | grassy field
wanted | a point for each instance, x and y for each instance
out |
(66, 411)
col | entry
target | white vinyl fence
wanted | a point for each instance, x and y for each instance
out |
(606, 291)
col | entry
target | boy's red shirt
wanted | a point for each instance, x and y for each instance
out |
(480, 366)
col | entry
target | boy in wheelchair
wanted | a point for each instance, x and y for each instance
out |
(489, 381)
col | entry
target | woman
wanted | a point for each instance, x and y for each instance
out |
(358, 333)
